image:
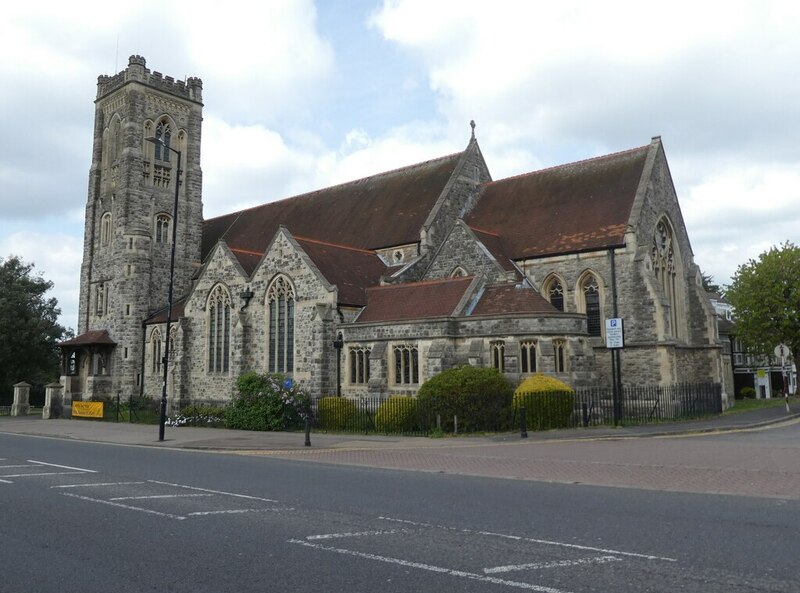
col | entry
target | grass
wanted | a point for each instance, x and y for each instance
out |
(744, 405)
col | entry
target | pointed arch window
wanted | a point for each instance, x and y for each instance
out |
(163, 134)
(105, 230)
(155, 351)
(665, 267)
(280, 307)
(528, 356)
(559, 350)
(218, 330)
(406, 364)
(458, 272)
(591, 303)
(498, 353)
(163, 228)
(554, 292)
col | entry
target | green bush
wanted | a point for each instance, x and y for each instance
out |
(338, 413)
(548, 402)
(397, 414)
(267, 402)
(479, 397)
(747, 393)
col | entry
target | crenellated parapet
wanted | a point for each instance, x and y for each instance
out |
(137, 71)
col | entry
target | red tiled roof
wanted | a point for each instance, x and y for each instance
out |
(511, 298)
(575, 207)
(96, 337)
(418, 300)
(351, 270)
(378, 211)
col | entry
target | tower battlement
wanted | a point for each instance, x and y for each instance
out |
(137, 71)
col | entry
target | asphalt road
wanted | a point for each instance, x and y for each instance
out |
(86, 517)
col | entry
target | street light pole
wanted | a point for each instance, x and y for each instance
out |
(162, 418)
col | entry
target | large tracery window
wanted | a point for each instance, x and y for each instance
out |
(406, 365)
(665, 264)
(591, 302)
(280, 305)
(218, 330)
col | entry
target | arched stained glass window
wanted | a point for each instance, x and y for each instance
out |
(218, 330)
(280, 307)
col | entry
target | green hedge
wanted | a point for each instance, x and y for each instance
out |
(337, 413)
(479, 397)
(397, 414)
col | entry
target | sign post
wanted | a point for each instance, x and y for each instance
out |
(615, 341)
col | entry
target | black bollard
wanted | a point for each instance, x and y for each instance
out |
(308, 432)
(523, 425)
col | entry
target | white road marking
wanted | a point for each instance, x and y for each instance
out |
(146, 497)
(123, 506)
(97, 484)
(80, 469)
(6, 481)
(533, 540)
(238, 511)
(554, 564)
(356, 534)
(16, 466)
(39, 474)
(212, 491)
(438, 569)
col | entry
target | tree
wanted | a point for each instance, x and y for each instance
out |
(708, 283)
(29, 328)
(765, 295)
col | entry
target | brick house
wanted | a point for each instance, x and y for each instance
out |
(384, 281)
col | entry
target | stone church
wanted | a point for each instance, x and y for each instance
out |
(373, 286)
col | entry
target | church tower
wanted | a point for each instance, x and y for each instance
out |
(129, 218)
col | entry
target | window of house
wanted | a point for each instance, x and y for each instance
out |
(359, 365)
(218, 330)
(163, 227)
(528, 356)
(498, 351)
(591, 303)
(155, 351)
(559, 348)
(280, 308)
(406, 364)
(555, 293)
(105, 230)
(72, 363)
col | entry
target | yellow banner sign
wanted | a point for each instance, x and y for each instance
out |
(87, 409)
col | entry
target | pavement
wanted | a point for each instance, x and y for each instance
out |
(649, 457)
(222, 439)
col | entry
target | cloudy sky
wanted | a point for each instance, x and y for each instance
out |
(300, 94)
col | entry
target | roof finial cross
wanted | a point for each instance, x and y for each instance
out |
(472, 125)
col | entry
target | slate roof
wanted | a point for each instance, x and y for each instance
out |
(494, 243)
(351, 270)
(97, 337)
(576, 207)
(379, 211)
(416, 300)
(511, 298)
(160, 316)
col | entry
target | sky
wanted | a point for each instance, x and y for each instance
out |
(299, 95)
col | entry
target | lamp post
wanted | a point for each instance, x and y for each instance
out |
(338, 343)
(162, 418)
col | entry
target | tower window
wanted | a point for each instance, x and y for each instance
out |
(105, 230)
(163, 227)
(163, 134)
